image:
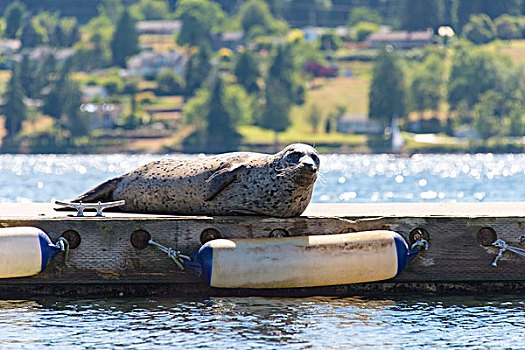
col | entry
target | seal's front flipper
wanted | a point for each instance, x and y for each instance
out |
(219, 180)
(102, 193)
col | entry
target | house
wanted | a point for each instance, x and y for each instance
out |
(89, 92)
(150, 63)
(158, 27)
(311, 34)
(103, 115)
(8, 46)
(401, 40)
(230, 40)
(358, 124)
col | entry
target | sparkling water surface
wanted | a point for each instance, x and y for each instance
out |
(479, 322)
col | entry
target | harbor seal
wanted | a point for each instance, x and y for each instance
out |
(238, 183)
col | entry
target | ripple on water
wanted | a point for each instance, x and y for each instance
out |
(247, 323)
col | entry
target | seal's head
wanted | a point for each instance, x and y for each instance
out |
(300, 162)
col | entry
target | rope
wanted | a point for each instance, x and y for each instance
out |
(503, 246)
(420, 243)
(63, 244)
(175, 255)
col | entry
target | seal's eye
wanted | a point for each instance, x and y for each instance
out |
(315, 159)
(294, 156)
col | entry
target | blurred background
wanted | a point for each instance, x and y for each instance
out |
(156, 76)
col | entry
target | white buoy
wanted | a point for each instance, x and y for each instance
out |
(24, 251)
(303, 261)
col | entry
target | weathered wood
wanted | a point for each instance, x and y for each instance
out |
(106, 262)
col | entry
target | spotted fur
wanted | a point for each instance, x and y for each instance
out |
(239, 183)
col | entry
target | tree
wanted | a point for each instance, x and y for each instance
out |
(420, 15)
(199, 18)
(364, 14)
(77, 123)
(14, 15)
(329, 41)
(26, 76)
(169, 82)
(30, 37)
(221, 132)
(479, 29)
(14, 108)
(283, 89)
(426, 88)
(256, 14)
(216, 113)
(197, 70)
(486, 119)
(387, 90)
(125, 40)
(472, 73)
(363, 29)
(467, 8)
(314, 117)
(507, 28)
(150, 10)
(247, 71)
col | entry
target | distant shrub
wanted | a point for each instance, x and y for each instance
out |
(507, 28)
(363, 29)
(329, 41)
(480, 29)
(169, 82)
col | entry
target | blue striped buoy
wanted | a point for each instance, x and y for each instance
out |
(302, 261)
(25, 251)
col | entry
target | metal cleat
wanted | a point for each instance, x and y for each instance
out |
(98, 206)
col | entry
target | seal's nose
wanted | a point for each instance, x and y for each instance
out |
(309, 163)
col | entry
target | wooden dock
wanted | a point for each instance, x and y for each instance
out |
(108, 259)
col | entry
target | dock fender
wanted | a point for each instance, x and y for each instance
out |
(25, 251)
(301, 261)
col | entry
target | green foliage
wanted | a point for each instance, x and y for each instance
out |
(472, 74)
(255, 18)
(199, 18)
(507, 28)
(14, 15)
(110, 9)
(479, 29)
(125, 40)
(387, 90)
(150, 10)
(77, 123)
(216, 113)
(492, 8)
(14, 108)
(364, 14)
(314, 117)
(329, 41)
(27, 76)
(30, 37)
(426, 87)
(363, 29)
(169, 82)
(487, 120)
(247, 71)
(283, 89)
(197, 70)
(420, 15)
(112, 84)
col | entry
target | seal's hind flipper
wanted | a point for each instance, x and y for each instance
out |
(219, 180)
(102, 193)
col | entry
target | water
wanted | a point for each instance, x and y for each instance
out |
(343, 178)
(479, 322)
